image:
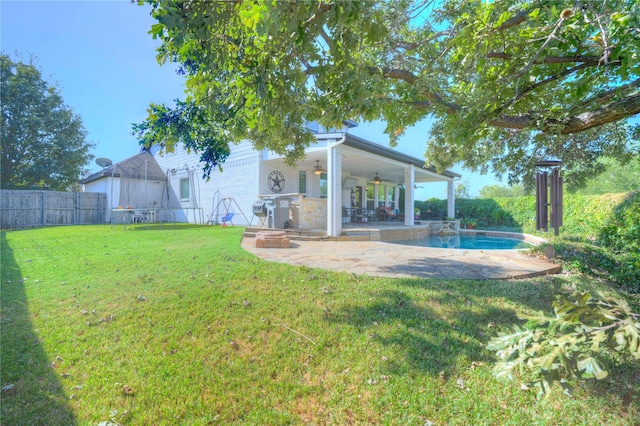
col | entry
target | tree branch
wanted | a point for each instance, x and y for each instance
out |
(410, 78)
(327, 39)
(322, 9)
(408, 45)
(588, 59)
(512, 22)
(601, 98)
(534, 86)
(614, 111)
(544, 45)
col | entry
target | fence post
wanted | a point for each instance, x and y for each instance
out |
(42, 209)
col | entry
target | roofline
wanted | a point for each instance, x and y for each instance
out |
(112, 170)
(377, 149)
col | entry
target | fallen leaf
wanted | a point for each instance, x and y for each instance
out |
(475, 364)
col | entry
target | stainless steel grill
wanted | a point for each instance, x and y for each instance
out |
(275, 210)
(260, 208)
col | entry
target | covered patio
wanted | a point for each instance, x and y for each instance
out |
(358, 183)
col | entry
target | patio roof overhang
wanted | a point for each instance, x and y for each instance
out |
(363, 159)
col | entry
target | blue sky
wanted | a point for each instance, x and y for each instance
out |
(103, 61)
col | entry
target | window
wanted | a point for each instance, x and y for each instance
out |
(323, 185)
(184, 189)
(302, 182)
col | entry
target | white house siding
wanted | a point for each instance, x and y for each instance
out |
(237, 181)
(291, 178)
(112, 191)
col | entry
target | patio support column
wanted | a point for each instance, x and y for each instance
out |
(409, 201)
(376, 192)
(396, 197)
(451, 199)
(334, 190)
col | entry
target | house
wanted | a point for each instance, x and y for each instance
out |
(343, 179)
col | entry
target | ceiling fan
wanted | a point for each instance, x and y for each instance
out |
(377, 180)
(317, 169)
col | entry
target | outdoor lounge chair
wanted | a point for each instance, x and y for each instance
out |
(385, 213)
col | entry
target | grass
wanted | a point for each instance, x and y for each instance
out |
(181, 326)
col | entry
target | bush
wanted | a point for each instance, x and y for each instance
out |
(600, 235)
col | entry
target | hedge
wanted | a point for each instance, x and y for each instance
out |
(600, 234)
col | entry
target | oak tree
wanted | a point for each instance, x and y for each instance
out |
(507, 82)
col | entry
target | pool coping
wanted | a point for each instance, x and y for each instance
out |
(396, 234)
(385, 259)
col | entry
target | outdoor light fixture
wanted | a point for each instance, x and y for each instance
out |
(317, 169)
(377, 180)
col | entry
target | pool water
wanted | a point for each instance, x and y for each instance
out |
(467, 241)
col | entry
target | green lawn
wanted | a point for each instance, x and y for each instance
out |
(181, 326)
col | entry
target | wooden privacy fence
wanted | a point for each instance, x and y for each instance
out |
(33, 209)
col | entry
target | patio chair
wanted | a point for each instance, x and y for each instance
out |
(385, 213)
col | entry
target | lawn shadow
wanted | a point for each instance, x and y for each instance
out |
(429, 336)
(453, 322)
(481, 266)
(37, 395)
(449, 320)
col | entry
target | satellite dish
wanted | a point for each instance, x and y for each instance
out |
(103, 162)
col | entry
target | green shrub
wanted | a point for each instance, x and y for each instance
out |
(623, 232)
(600, 234)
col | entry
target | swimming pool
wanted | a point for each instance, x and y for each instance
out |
(474, 241)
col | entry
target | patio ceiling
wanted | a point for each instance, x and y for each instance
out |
(363, 159)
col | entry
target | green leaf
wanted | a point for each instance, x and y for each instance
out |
(591, 368)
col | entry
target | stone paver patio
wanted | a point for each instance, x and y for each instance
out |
(393, 260)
